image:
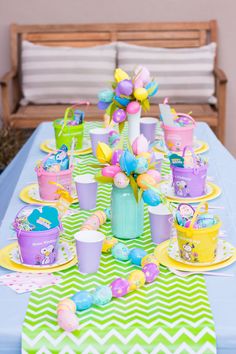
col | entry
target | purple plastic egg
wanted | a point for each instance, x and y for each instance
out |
(103, 105)
(119, 287)
(119, 116)
(125, 87)
(151, 271)
(116, 156)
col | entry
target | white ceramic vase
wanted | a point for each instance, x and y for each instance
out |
(133, 125)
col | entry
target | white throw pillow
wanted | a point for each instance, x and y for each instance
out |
(64, 74)
(184, 75)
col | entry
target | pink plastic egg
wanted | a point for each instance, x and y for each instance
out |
(110, 171)
(68, 321)
(121, 180)
(119, 287)
(133, 107)
(155, 174)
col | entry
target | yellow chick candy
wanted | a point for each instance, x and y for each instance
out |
(141, 94)
(149, 258)
(136, 280)
(121, 75)
(144, 180)
(104, 153)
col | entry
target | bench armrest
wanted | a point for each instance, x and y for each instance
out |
(10, 96)
(220, 76)
(5, 80)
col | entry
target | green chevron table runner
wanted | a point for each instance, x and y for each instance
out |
(171, 315)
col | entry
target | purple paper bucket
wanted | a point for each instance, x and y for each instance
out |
(148, 128)
(86, 188)
(89, 248)
(160, 222)
(98, 135)
(38, 247)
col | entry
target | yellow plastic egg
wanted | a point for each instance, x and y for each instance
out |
(136, 280)
(141, 94)
(149, 258)
(144, 180)
(66, 305)
(108, 243)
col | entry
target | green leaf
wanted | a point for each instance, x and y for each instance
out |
(103, 179)
(121, 127)
(140, 193)
(96, 165)
(113, 85)
(120, 145)
(134, 187)
(145, 105)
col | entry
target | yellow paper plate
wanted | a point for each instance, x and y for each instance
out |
(45, 148)
(203, 147)
(161, 252)
(215, 192)
(25, 197)
(6, 262)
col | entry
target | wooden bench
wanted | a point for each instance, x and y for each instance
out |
(169, 35)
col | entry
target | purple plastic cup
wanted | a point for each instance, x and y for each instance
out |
(160, 222)
(148, 128)
(86, 188)
(89, 248)
(158, 160)
(98, 135)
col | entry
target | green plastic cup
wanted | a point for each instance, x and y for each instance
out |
(64, 133)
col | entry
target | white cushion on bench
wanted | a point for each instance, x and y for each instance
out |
(64, 74)
(184, 75)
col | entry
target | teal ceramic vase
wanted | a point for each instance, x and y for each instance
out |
(127, 214)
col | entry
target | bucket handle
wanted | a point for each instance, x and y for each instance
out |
(198, 212)
(196, 170)
(68, 111)
(187, 116)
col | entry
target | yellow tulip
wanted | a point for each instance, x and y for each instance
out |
(121, 75)
(104, 153)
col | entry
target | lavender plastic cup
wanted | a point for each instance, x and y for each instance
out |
(86, 188)
(89, 248)
(148, 128)
(158, 161)
(160, 223)
(98, 135)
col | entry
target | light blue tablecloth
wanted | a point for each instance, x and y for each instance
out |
(222, 291)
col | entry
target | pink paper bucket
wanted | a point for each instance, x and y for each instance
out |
(189, 182)
(176, 138)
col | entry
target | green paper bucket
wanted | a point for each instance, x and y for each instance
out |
(64, 134)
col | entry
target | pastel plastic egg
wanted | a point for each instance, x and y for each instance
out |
(142, 73)
(108, 243)
(140, 93)
(110, 171)
(136, 280)
(128, 162)
(101, 216)
(113, 138)
(149, 258)
(67, 304)
(121, 180)
(68, 321)
(107, 212)
(123, 101)
(155, 174)
(92, 221)
(205, 220)
(119, 287)
(179, 218)
(105, 95)
(151, 272)
(83, 300)
(138, 83)
(102, 295)
(120, 252)
(152, 88)
(140, 145)
(144, 180)
(125, 87)
(136, 255)
(87, 227)
(142, 165)
(119, 116)
(133, 107)
(151, 198)
(103, 105)
(116, 156)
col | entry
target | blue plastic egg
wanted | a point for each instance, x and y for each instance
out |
(142, 165)
(102, 295)
(151, 198)
(205, 220)
(120, 252)
(122, 101)
(152, 88)
(136, 255)
(83, 300)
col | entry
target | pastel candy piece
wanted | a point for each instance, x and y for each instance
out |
(102, 295)
(142, 165)
(83, 300)
(108, 243)
(145, 178)
(136, 255)
(155, 174)
(149, 258)
(110, 171)
(101, 216)
(151, 198)
(121, 180)
(136, 280)
(69, 304)
(140, 145)
(120, 252)
(68, 321)
(179, 218)
(119, 287)
(133, 107)
(151, 272)
(140, 93)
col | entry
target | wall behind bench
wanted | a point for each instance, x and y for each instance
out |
(88, 11)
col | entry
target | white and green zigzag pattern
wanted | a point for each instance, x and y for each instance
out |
(171, 315)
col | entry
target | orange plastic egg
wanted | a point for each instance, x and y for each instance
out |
(144, 180)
